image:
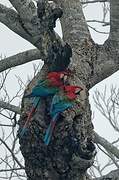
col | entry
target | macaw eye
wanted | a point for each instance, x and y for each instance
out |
(65, 77)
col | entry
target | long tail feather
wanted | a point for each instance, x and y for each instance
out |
(26, 125)
(30, 114)
(23, 132)
(50, 129)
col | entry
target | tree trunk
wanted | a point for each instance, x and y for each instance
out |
(71, 150)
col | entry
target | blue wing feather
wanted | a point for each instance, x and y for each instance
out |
(25, 129)
(50, 129)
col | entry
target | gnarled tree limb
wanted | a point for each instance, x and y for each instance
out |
(13, 155)
(73, 23)
(25, 8)
(10, 107)
(19, 59)
(114, 20)
(107, 145)
(11, 19)
(26, 24)
(105, 61)
(113, 175)
(94, 1)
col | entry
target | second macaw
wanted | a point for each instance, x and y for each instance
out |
(44, 88)
(61, 102)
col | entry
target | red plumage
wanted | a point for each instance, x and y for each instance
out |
(55, 83)
(53, 75)
(55, 78)
(57, 75)
(71, 96)
(72, 89)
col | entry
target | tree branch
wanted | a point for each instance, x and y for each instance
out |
(114, 20)
(10, 107)
(102, 32)
(31, 28)
(11, 19)
(14, 157)
(107, 145)
(73, 22)
(113, 175)
(19, 59)
(95, 1)
(97, 21)
(25, 8)
(12, 169)
(106, 61)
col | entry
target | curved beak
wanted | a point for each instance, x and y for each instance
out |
(65, 78)
(78, 91)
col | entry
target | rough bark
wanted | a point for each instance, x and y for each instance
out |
(114, 17)
(19, 59)
(71, 151)
(64, 159)
(10, 18)
(26, 23)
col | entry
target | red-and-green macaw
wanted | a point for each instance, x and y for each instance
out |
(44, 88)
(60, 102)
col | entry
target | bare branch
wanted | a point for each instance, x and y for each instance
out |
(112, 159)
(10, 107)
(15, 158)
(108, 106)
(3, 77)
(19, 59)
(114, 20)
(14, 169)
(106, 61)
(97, 21)
(94, 1)
(26, 9)
(27, 25)
(11, 19)
(102, 32)
(113, 175)
(108, 146)
(73, 22)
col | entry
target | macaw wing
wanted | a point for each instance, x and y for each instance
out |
(42, 83)
(43, 91)
(57, 109)
(61, 107)
(50, 129)
(55, 100)
(35, 104)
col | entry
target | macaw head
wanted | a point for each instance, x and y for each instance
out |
(71, 95)
(62, 75)
(73, 89)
